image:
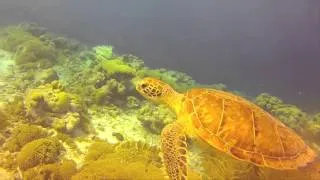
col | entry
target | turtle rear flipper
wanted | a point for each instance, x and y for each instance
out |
(174, 148)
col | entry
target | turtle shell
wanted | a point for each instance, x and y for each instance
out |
(240, 128)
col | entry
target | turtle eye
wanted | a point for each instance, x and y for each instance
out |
(144, 85)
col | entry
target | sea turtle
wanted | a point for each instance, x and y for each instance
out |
(228, 123)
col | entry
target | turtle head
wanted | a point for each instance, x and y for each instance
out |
(160, 92)
(154, 89)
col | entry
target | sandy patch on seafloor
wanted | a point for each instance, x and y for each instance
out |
(126, 124)
(6, 64)
(5, 175)
(6, 61)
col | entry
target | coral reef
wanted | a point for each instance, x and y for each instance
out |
(23, 134)
(291, 115)
(217, 164)
(314, 127)
(34, 53)
(40, 151)
(57, 171)
(46, 76)
(52, 97)
(133, 61)
(316, 118)
(33, 28)
(268, 102)
(111, 90)
(138, 151)
(154, 118)
(12, 37)
(3, 120)
(49, 105)
(29, 51)
(132, 102)
(128, 151)
(67, 123)
(14, 109)
(98, 149)
(111, 169)
(127, 160)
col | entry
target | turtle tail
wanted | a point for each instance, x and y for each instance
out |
(174, 151)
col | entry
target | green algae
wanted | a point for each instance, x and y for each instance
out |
(155, 118)
(115, 66)
(103, 52)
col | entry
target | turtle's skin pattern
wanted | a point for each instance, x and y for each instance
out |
(174, 150)
(229, 123)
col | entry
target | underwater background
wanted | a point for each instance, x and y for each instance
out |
(252, 46)
(68, 104)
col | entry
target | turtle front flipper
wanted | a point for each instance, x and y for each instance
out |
(174, 149)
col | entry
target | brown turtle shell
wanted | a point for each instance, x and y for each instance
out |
(242, 129)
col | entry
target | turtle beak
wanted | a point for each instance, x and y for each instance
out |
(136, 83)
(140, 86)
